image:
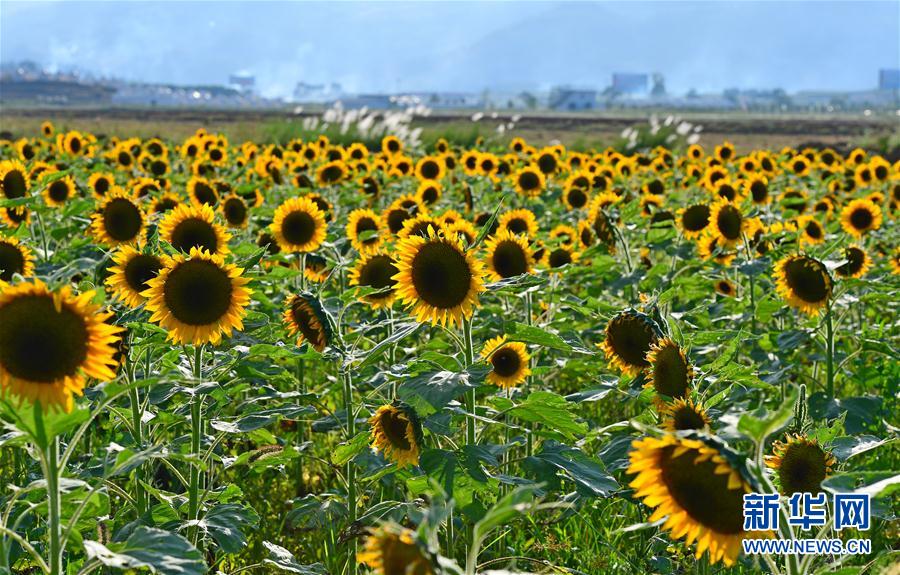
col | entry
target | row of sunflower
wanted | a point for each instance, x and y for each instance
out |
(304, 270)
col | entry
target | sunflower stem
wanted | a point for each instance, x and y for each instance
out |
(196, 426)
(53, 511)
(529, 438)
(470, 395)
(140, 495)
(351, 469)
(829, 352)
(301, 429)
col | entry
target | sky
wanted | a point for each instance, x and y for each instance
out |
(463, 46)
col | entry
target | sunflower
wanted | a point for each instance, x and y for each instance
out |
(708, 247)
(395, 216)
(394, 550)
(14, 217)
(601, 223)
(187, 227)
(305, 317)
(507, 255)
(509, 361)
(59, 191)
(521, 221)
(684, 415)
(811, 231)
(47, 128)
(694, 220)
(418, 226)
(529, 181)
(331, 173)
(857, 264)
(100, 183)
(51, 342)
(391, 145)
(668, 372)
(235, 211)
(757, 187)
(726, 222)
(363, 229)
(129, 276)
(118, 220)
(800, 464)
(438, 278)
(397, 433)
(725, 152)
(141, 187)
(699, 490)
(860, 217)
(376, 270)
(165, 203)
(430, 168)
(561, 256)
(202, 192)
(15, 258)
(462, 229)
(630, 335)
(803, 282)
(547, 161)
(429, 192)
(725, 287)
(198, 298)
(800, 165)
(576, 197)
(299, 225)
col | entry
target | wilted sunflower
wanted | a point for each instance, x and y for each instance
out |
(438, 278)
(860, 217)
(52, 342)
(697, 489)
(59, 191)
(129, 276)
(800, 464)
(858, 263)
(198, 298)
(118, 220)
(509, 361)
(375, 270)
(394, 550)
(299, 225)
(306, 318)
(630, 336)
(521, 221)
(803, 282)
(669, 372)
(187, 227)
(693, 220)
(15, 258)
(684, 415)
(364, 229)
(397, 433)
(727, 222)
(507, 255)
(529, 181)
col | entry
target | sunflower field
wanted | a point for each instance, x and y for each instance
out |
(302, 357)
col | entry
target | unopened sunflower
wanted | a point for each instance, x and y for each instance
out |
(800, 465)
(803, 282)
(397, 433)
(509, 361)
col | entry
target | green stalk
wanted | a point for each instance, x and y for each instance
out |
(54, 506)
(301, 429)
(529, 438)
(351, 469)
(196, 426)
(470, 395)
(140, 494)
(829, 352)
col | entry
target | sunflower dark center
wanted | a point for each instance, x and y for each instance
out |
(124, 159)
(75, 145)
(430, 170)
(11, 261)
(14, 184)
(802, 468)
(394, 426)
(855, 259)
(379, 273)
(577, 198)
(298, 227)
(686, 417)
(430, 195)
(395, 219)
(547, 163)
(195, 233)
(140, 269)
(560, 257)
(121, 219)
(630, 339)
(366, 224)
(205, 194)
(670, 373)
(656, 187)
(729, 220)
(59, 191)
(813, 229)
(235, 211)
(215, 154)
(509, 259)
(332, 174)
(861, 218)
(40, 343)
(695, 218)
(517, 226)
(158, 167)
(441, 275)
(164, 205)
(506, 362)
(198, 292)
(807, 279)
(101, 186)
(702, 493)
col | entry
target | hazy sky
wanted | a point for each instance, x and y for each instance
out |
(464, 46)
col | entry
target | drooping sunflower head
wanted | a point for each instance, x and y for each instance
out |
(669, 372)
(198, 298)
(800, 464)
(299, 225)
(509, 361)
(397, 433)
(727, 222)
(698, 487)
(394, 550)
(860, 217)
(15, 258)
(118, 220)
(306, 318)
(857, 264)
(684, 415)
(803, 282)
(187, 227)
(629, 338)
(376, 270)
(507, 255)
(129, 276)
(235, 211)
(437, 278)
(51, 342)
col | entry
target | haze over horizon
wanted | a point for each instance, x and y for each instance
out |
(463, 46)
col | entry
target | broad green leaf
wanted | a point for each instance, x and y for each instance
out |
(761, 423)
(349, 449)
(552, 410)
(159, 551)
(530, 334)
(282, 559)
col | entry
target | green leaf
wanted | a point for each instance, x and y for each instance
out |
(281, 558)
(349, 449)
(374, 354)
(154, 549)
(552, 410)
(846, 447)
(588, 474)
(761, 424)
(434, 389)
(227, 524)
(259, 419)
(530, 334)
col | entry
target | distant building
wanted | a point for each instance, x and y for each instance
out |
(565, 98)
(313, 93)
(242, 82)
(370, 101)
(631, 84)
(448, 100)
(889, 79)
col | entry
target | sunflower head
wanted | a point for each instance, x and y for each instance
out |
(521, 221)
(130, 273)
(397, 433)
(693, 220)
(859, 217)
(376, 270)
(800, 464)
(394, 550)
(684, 415)
(630, 336)
(198, 298)
(15, 258)
(235, 211)
(803, 282)
(438, 278)
(299, 225)
(15, 180)
(51, 342)
(306, 318)
(118, 220)
(59, 191)
(727, 222)
(529, 181)
(364, 228)
(509, 361)
(857, 264)
(669, 372)
(725, 288)
(507, 255)
(698, 487)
